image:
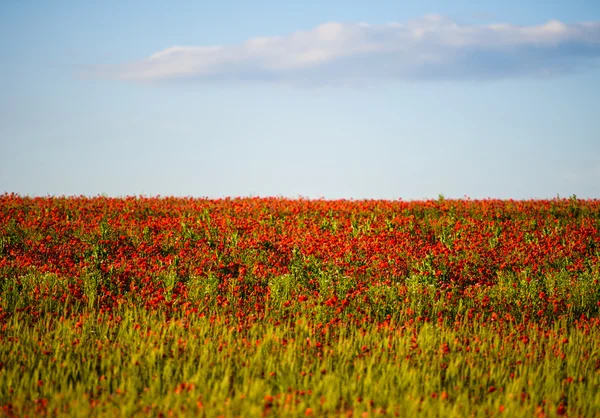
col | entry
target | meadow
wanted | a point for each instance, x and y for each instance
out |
(276, 307)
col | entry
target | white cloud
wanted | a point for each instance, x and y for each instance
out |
(433, 47)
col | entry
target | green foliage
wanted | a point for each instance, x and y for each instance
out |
(134, 362)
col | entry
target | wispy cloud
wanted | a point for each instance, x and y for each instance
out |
(430, 48)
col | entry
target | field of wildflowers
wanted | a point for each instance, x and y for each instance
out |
(274, 307)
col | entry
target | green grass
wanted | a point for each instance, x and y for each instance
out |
(137, 362)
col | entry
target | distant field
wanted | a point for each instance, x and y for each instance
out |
(274, 307)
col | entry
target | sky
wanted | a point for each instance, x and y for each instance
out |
(315, 99)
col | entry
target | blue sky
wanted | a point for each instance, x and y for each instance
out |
(330, 99)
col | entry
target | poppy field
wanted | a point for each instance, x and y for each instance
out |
(277, 307)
